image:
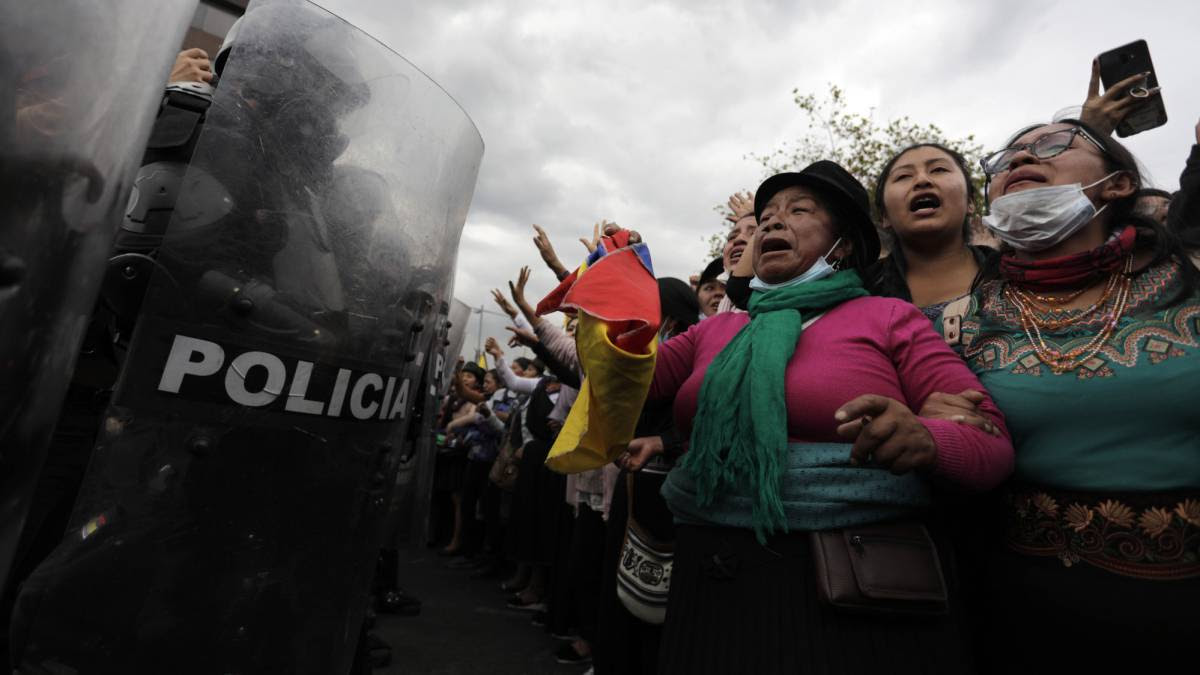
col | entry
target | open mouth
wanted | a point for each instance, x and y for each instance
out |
(774, 245)
(1023, 178)
(924, 205)
(735, 254)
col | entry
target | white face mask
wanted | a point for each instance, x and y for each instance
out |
(819, 270)
(1038, 218)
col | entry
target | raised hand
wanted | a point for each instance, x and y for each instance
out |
(740, 205)
(886, 434)
(517, 291)
(546, 250)
(1103, 112)
(591, 244)
(492, 347)
(504, 303)
(520, 336)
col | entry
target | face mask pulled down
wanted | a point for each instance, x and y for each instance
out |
(1039, 218)
(819, 270)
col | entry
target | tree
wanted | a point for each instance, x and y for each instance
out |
(856, 141)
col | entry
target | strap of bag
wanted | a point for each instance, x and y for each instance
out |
(628, 496)
(952, 318)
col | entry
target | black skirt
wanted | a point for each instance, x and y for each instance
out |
(625, 644)
(540, 514)
(450, 470)
(739, 607)
(1044, 617)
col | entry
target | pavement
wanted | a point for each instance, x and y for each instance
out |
(464, 627)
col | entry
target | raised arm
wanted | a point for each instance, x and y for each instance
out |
(517, 291)
(567, 375)
(1183, 217)
(514, 383)
(546, 250)
(558, 343)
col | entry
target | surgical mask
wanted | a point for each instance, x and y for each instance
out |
(1039, 218)
(819, 270)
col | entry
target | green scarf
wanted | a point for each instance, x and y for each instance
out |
(740, 435)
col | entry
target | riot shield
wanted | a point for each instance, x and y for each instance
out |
(460, 315)
(414, 480)
(232, 513)
(79, 84)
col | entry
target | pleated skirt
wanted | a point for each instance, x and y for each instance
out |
(739, 607)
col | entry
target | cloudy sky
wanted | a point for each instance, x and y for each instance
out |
(643, 113)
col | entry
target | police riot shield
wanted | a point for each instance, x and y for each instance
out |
(460, 314)
(79, 87)
(414, 480)
(231, 515)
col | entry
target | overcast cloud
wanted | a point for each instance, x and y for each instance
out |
(643, 113)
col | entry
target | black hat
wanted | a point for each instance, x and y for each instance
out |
(678, 301)
(474, 369)
(836, 184)
(714, 270)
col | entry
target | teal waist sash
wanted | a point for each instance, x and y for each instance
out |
(820, 491)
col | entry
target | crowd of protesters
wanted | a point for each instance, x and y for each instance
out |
(875, 441)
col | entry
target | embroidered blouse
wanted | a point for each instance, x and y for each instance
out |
(1126, 419)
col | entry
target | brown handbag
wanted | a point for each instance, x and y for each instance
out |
(889, 568)
(505, 468)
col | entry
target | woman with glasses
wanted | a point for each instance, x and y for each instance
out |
(1090, 343)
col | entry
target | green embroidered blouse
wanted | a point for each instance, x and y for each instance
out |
(1128, 419)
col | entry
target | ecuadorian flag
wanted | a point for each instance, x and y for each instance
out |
(615, 296)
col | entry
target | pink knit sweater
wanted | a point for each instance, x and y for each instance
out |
(867, 345)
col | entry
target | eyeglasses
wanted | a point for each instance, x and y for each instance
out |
(1045, 146)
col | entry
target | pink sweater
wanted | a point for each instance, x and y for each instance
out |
(867, 345)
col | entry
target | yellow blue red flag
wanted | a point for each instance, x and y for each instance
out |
(615, 297)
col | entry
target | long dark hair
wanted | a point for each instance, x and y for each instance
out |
(888, 277)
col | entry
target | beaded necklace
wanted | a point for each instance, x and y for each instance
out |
(1027, 304)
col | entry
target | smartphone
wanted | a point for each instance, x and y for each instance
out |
(1126, 61)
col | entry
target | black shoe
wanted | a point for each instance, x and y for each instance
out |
(567, 654)
(540, 618)
(396, 602)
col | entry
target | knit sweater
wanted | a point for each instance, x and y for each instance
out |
(863, 346)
